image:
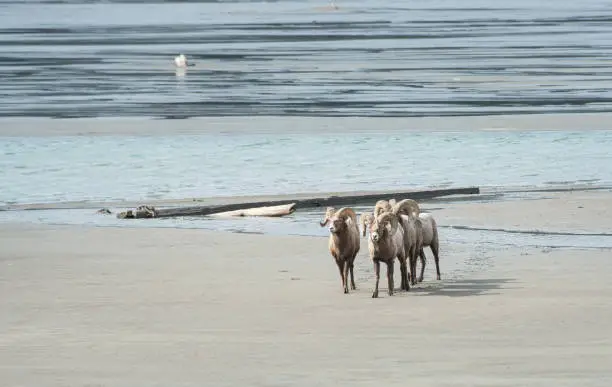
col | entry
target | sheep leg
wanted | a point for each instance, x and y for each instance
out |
(422, 255)
(390, 276)
(434, 249)
(339, 263)
(403, 281)
(377, 271)
(413, 264)
(352, 277)
(345, 274)
(404, 273)
(407, 278)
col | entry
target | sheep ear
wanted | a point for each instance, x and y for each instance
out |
(388, 227)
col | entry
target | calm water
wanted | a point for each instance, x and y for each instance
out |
(69, 58)
(56, 169)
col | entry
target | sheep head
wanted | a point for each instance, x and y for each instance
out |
(366, 221)
(339, 220)
(385, 224)
(407, 207)
(382, 206)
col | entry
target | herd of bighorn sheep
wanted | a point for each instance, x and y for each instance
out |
(396, 230)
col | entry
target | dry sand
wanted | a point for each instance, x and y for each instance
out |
(164, 307)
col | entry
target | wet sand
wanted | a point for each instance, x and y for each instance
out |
(571, 212)
(145, 307)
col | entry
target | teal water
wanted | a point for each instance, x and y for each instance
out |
(79, 168)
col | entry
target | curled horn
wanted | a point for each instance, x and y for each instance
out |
(345, 213)
(407, 207)
(329, 213)
(382, 206)
(388, 217)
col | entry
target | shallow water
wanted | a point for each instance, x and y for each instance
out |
(57, 169)
(77, 58)
(305, 223)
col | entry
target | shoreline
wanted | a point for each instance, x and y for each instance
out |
(486, 193)
(309, 200)
(294, 125)
(562, 219)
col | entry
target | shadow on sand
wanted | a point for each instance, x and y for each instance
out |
(461, 288)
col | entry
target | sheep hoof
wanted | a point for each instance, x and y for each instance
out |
(438, 278)
(346, 291)
(375, 295)
(420, 279)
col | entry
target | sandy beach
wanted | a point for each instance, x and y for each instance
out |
(284, 101)
(86, 306)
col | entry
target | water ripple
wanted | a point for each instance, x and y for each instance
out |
(368, 58)
(174, 167)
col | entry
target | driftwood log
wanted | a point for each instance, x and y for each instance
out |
(272, 211)
(274, 205)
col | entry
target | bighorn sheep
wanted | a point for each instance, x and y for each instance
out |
(380, 207)
(343, 241)
(385, 243)
(426, 236)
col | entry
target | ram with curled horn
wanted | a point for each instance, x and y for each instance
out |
(344, 241)
(381, 206)
(385, 243)
(407, 207)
